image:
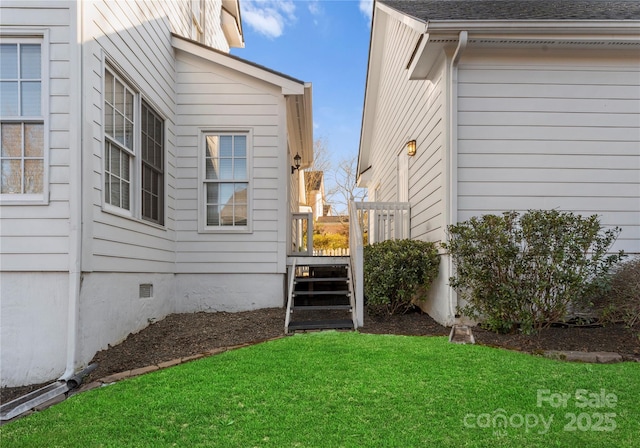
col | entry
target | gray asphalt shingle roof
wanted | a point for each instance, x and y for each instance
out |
(463, 10)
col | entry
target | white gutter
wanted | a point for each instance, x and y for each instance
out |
(589, 28)
(453, 151)
(75, 206)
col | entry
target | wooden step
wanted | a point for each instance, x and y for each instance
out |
(320, 279)
(321, 307)
(321, 293)
(321, 325)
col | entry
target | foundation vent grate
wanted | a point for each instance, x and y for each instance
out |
(146, 290)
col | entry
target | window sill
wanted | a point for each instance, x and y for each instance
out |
(121, 213)
(222, 230)
(23, 199)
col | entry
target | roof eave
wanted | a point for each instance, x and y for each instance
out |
(376, 40)
(300, 125)
(288, 85)
(508, 33)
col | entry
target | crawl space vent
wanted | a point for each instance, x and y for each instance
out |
(146, 290)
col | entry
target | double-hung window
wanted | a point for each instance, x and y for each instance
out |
(133, 152)
(119, 120)
(152, 145)
(23, 172)
(226, 181)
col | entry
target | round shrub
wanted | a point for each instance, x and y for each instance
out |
(394, 270)
(529, 270)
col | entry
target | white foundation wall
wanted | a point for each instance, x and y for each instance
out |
(228, 292)
(33, 326)
(438, 300)
(111, 308)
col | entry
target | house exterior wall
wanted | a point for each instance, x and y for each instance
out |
(410, 110)
(135, 38)
(551, 129)
(228, 292)
(501, 124)
(211, 98)
(121, 251)
(414, 110)
(112, 307)
(33, 326)
(34, 237)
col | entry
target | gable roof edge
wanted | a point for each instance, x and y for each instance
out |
(288, 84)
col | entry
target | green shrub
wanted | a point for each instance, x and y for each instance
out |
(329, 241)
(529, 270)
(394, 270)
(621, 303)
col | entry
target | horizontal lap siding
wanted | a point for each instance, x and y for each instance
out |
(137, 37)
(410, 110)
(557, 132)
(213, 97)
(35, 237)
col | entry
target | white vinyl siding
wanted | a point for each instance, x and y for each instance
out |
(214, 99)
(559, 131)
(410, 110)
(35, 226)
(131, 40)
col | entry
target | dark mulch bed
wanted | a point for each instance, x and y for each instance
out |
(182, 335)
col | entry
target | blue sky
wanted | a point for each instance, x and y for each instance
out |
(324, 42)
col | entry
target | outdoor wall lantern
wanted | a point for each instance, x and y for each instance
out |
(411, 148)
(296, 161)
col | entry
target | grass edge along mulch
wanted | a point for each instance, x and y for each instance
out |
(355, 390)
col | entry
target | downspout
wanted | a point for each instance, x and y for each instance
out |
(453, 150)
(75, 209)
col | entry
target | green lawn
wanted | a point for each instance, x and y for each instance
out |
(354, 390)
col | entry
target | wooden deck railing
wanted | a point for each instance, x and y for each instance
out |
(301, 234)
(373, 222)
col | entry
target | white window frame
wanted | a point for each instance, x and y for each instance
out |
(132, 152)
(162, 169)
(40, 37)
(135, 155)
(202, 181)
(197, 20)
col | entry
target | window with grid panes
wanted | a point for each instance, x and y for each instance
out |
(22, 153)
(134, 151)
(226, 182)
(152, 146)
(119, 142)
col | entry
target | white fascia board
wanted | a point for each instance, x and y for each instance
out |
(307, 103)
(288, 86)
(364, 178)
(591, 31)
(376, 50)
